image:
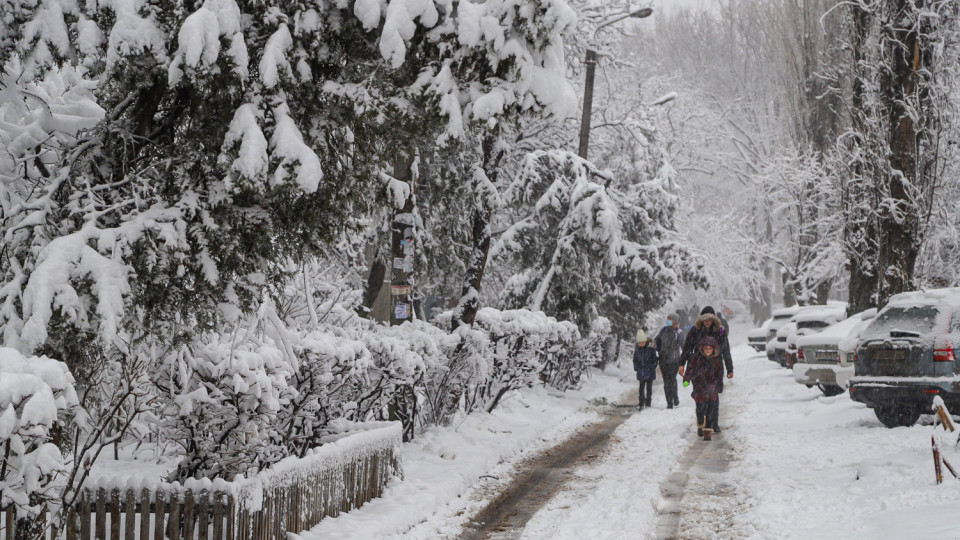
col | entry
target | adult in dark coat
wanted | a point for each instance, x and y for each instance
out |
(645, 364)
(705, 371)
(708, 325)
(669, 346)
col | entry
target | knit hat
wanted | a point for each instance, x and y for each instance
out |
(641, 336)
(674, 317)
(708, 309)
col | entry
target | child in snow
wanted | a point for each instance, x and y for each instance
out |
(645, 364)
(705, 371)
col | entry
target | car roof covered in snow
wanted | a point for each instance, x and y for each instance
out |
(821, 313)
(785, 312)
(948, 296)
(835, 332)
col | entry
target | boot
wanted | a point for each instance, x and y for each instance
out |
(707, 434)
(699, 430)
(648, 403)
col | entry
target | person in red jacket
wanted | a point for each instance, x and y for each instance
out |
(705, 371)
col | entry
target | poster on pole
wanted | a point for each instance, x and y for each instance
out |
(399, 263)
(401, 311)
(398, 290)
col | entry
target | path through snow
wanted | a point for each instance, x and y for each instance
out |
(790, 463)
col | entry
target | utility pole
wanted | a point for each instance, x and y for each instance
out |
(591, 62)
(402, 244)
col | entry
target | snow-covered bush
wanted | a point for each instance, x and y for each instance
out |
(36, 396)
(221, 402)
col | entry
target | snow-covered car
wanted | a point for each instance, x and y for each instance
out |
(907, 355)
(757, 338)
(778, 345)
(825, 359)
(811, 320)
(781, 317)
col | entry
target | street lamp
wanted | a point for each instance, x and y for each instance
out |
(591, 62)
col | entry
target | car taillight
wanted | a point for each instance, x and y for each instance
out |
(839, 358)
(799, 353)
(943, 355)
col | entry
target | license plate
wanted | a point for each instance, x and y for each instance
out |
(826, 355)
(889, 354)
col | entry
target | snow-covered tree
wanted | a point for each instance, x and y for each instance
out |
(580, 253)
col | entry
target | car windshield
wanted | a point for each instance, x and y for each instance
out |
(918, 319)
(812, 324)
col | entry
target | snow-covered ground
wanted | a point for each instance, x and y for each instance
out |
(802, 466)
(442, 465)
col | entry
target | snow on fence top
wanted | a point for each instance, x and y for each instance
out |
(362, 440)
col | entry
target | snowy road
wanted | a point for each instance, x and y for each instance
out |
(790, 463)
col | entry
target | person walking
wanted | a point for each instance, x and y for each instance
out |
(708, 324)
(705, 371)
(669, 346)
(645, 364)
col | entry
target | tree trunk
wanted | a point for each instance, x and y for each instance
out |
(859, 222)
(900, 212)
(469, 304)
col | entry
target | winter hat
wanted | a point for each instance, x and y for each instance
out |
(708, 341)
(674, 317)
(708, 309)
(641, 336)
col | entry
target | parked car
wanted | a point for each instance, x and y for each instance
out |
(811, 320)
(906, 356)
(781, 317)
(779, 344)
(825, 359)
(757, 338)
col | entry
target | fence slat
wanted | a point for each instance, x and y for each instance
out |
(173, 523)
(217, 516)
(130, 516)
(85, 514)
(144, 515)
(203, 515)
(11, 522)
(158, 513)
(71, 524)
(187, 515)
(114, 514)
(101, 505)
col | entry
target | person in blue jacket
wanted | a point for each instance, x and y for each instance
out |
(645, 364)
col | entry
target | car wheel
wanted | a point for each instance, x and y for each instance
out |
(897, 416)
(809, 386)
(830, 390)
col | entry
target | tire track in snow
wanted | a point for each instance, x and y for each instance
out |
(699, 499)
(546, 473)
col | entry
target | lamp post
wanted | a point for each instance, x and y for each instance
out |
(591, 62)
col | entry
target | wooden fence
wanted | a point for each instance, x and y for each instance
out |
(292, 497)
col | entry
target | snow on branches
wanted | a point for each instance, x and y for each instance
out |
(36, 394)
(579, 252)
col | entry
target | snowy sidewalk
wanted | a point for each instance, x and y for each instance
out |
(790, 463)
(445, 463)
